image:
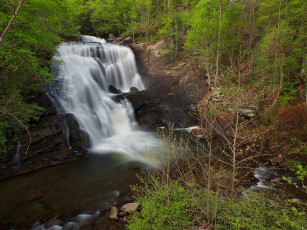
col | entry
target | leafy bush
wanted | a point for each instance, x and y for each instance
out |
(163, 207)
(260, 212)
(176, 206)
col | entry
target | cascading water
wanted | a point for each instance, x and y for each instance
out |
(85, 70)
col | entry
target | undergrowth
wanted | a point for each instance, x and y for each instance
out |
(192, 190)
(177, 206)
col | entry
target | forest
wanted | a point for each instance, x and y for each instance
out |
(250, 50)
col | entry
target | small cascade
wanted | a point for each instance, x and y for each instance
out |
(84, 72)
(266, 178)
(16, 158)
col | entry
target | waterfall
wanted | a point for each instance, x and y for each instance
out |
(84, 72)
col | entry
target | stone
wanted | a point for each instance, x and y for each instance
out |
(33, 194)
(128, 39)
(130, 207)
(133, 90)
(113, 213)
(113, 89)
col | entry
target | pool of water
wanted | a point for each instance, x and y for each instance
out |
(92, 183)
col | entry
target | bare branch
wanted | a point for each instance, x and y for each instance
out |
(10, 23)
(20, 122)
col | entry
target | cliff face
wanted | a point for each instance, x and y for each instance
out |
(186, 83)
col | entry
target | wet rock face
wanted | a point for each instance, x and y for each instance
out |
(55, 138)
(171, 92)
(158, 106)
(114, 90)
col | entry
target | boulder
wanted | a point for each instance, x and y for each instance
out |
(113, 214)
(113, 89)
(133, 90)
(130, 207)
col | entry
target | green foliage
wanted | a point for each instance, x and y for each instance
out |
(163, 207)
(260, 212)
(204, 21)
(282, 45)
(168, 207)
(25, 55)
(297, 167)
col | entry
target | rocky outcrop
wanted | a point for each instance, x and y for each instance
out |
(248, 107)
(55, 138)
(172, 91)
(189, 83)
(160, 105)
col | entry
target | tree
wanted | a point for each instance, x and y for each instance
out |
(281, 48)
(25, 54)
(214, 23)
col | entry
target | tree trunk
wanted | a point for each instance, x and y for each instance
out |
(218, 45)
(277, 59)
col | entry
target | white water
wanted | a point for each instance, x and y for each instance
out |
(85, 70)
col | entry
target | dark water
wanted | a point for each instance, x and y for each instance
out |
(88, 184)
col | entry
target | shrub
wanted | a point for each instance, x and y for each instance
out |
(163, 207)
(256, 211)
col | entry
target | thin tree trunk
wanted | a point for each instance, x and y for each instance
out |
(176, 38)
(232, 48)
(209, 167)
(11, 21)
(277, 58)
(208, 73)
(207, 67)
(218, 45)
(234, 144)
(148, 22)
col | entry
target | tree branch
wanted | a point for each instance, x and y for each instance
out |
(20, 122)
(10, 23)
